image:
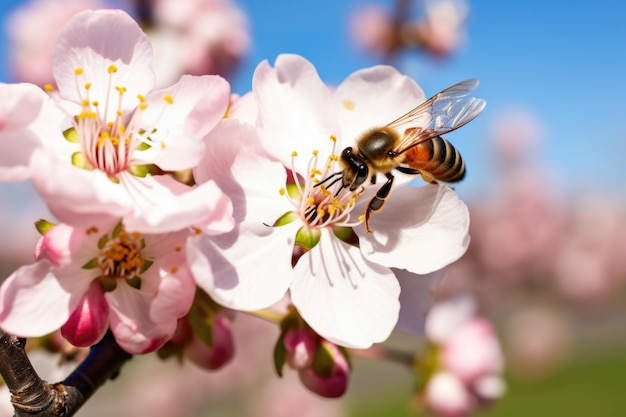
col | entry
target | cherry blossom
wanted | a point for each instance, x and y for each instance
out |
(467, 361)
(87, 279)
(115, 132)
(339, 277)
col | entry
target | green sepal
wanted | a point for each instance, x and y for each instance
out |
(286, 218)
(201, 323)
(91, 264)
(79, 161)
(280, 356)
(71, 135)
(142, 146)
(134, 282)
(119, 228)
(323, 361)
(139, 170)
(292, 320)
(347, 235)
(103, 241)
(307, 237)
(108, 284)
(147, 263)
(293, 191)
(43, 226)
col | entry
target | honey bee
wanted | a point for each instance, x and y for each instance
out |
(411, 144)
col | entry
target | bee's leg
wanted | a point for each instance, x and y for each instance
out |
(378, 201)
(425, 176)
(407, 170)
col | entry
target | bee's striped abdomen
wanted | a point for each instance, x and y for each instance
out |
(437, 158)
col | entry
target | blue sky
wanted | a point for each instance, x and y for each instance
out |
(564, 62)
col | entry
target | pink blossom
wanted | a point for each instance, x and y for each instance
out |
(469, 360)
(95, 158)
(210, 36)
(371, 27)
(138, 283)
(442, 29)
(347, 293)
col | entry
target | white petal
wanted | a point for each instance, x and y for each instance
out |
(93, 40)
(295, 109)
(373, 97)
(420, 229)
(239, 165)
(416, 296)
(343, 296)
(247, 269)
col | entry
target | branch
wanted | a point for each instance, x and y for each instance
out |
(33, 397)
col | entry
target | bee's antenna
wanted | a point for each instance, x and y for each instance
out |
(336, 176)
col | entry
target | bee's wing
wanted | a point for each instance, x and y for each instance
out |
(444, 112)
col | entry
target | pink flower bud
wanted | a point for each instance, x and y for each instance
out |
(219, 353)
(300, 345)
(58, 245)
(89, 321)
(327, 378)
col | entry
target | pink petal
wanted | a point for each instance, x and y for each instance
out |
(76, 196)
(344, 297)
(174, 206)
(175, 291)
(447, 396)
(199, 103)
(25, 116)
(35, 302)
(132, 323)
(447, 317)
(483, 358)
(420, 229)
(60, 244)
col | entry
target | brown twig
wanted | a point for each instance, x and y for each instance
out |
(33, 397)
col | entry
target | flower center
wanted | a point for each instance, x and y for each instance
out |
(121, 257)
(109, 136)
(320, 203)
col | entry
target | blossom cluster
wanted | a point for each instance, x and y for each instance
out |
(174, 205)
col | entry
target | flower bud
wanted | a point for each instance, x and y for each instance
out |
(329, 373)
(300, 346)
(89, 321)
(217, 354)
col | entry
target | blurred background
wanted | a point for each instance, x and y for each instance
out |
(545, 185)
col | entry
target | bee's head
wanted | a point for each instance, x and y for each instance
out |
(355, 170)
